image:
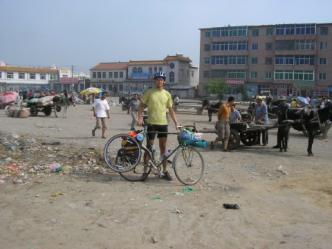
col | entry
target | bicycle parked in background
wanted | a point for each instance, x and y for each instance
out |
(127, 155)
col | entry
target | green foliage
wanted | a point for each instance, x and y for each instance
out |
(217, 86)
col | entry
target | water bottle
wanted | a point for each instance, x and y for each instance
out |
(140, 137)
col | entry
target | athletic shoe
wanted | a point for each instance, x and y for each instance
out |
(167, 176)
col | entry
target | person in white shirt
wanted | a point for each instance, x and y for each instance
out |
(101, 110)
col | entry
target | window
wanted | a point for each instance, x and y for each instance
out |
(254, 46)
(322, 76)
(296, 29)
(323, 45)
(207, 60)
(324, 31)
(116, 75)
(268, 46)
(54, 76)
(121, 74)
(172, 76)
(104, 75)
(322, 61)
(21, 76)
(230, 45)
(139, 70)
(255, 32)
(98, 75)
(94, 75)
(207, 47)
(269, 31)
(224, 60)
(150, 70)
(207, 33)
(304, 75)
(160, 69)
(32, 76)
(206, 74)
(283, 75)
(268, 61)
(110, 75)
(254, 60)
(135, 70)
(268, 75)
(305, 45)
(155, 69)
(43, 76)
(10, 75)
(234, 74)
(253, 75)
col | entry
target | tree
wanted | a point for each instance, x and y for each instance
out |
(242, 89)
(217, 86)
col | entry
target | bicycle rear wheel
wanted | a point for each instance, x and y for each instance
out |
(188, 165)
(122, 153)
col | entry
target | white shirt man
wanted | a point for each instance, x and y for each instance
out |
(101, 110)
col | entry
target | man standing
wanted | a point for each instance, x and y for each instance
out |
(261, 117)
(222, 125)
(235, 116)
(158, 101)
(101, 110)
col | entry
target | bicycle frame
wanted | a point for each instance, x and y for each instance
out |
(152, 160)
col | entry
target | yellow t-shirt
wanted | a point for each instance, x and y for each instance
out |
(157, 101)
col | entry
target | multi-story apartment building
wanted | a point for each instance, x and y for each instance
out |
(26, 78)
(285, 59)
(135, 76)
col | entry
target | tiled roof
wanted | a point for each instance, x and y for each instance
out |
(177, 57)
(28, 69)
(111, 66)
(156, 62)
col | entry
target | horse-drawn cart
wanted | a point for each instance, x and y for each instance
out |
(248, 134)
(44, 104)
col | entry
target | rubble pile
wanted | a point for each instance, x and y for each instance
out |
(23, 157)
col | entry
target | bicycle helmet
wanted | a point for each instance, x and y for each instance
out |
(159, 75)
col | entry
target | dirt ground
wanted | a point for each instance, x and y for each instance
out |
(285, 199)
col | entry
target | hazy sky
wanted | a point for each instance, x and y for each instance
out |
(85, 32)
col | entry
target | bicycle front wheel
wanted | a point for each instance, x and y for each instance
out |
(188, 165)
(122, 153)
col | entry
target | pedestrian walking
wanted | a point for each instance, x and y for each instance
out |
(101, 110)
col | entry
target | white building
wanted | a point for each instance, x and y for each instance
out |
(136, 76)
(26, 78)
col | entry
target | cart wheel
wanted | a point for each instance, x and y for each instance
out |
(234, 139)
(249, 138)
(33, 110)
(47, 110)
(57, 108)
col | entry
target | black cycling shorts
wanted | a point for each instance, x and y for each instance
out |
(153, 129)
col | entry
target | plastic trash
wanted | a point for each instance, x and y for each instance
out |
(188, 189)
(201, 144)
(55, 167)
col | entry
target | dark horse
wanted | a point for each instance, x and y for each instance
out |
(311, 121)
(212, 108)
